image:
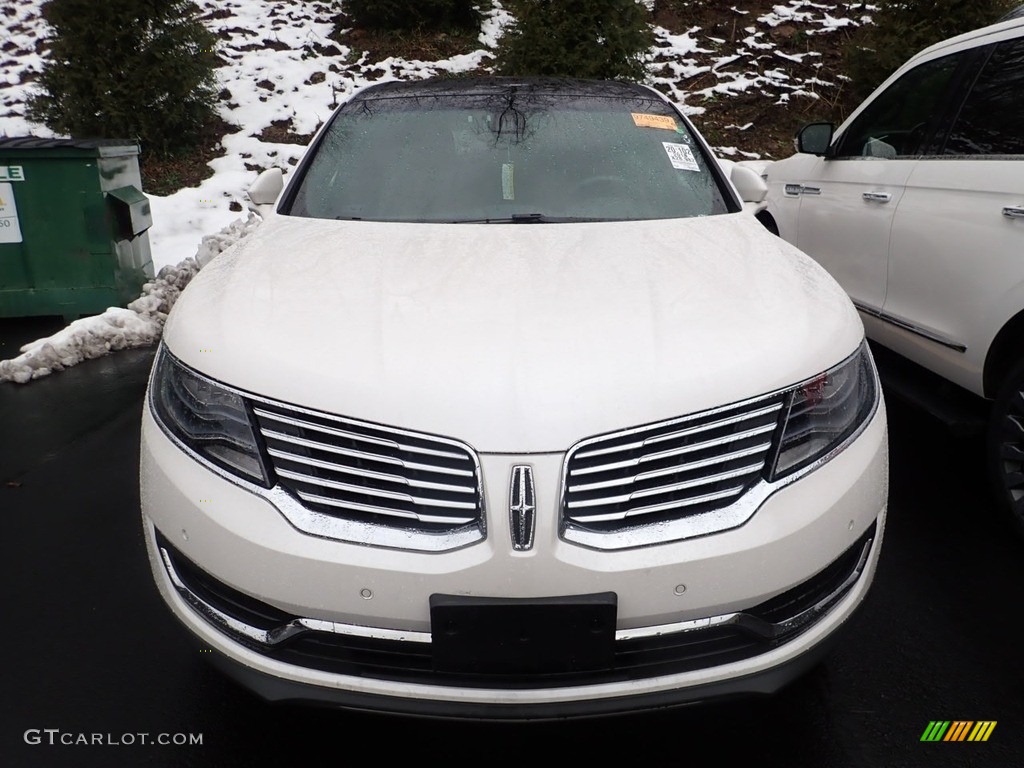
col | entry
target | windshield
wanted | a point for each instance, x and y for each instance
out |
(515, 156)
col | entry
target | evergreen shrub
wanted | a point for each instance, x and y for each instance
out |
(599, 39)
(127, 69)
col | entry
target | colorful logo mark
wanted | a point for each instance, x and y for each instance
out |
(958, 730)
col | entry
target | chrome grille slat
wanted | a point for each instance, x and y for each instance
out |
(335, 432)
(667, 471)
(679, 434)
(380, 476)
(686, 484)
(361, 474)
(654, 473)
(384, 494)
(710, 461)
(668, 505)
(693, 448)
(268, 433)
(387, 511)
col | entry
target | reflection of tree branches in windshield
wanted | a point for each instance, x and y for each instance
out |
(511, 114)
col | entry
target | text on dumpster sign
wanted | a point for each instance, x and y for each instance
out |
(12, 173)
(10, 229)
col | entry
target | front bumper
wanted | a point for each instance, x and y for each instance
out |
(277, 689)
(358, 600)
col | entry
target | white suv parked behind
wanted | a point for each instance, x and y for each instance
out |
(915, 205)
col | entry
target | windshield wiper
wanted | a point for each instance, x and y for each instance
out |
(526, 218)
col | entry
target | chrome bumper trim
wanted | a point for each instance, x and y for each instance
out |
(745, 622)
(271, 637)
(752, 624)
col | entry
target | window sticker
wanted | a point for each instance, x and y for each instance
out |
(644, 120)
(10, 228)
(681, 156)
(508, 188)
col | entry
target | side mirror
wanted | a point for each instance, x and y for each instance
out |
(266, 189)
(751, 187)
(815, 138)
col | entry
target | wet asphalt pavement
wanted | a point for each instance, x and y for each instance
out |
(90, 649)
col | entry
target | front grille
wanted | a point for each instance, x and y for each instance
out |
(369, 473)
(670, 470)
(638, 654)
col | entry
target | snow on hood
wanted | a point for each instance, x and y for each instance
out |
(514, 338)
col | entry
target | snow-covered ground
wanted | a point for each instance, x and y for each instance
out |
(282, 69)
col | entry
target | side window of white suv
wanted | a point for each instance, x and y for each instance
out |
(897, 122)
(991, 120)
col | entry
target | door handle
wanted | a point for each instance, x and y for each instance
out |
(877, 197)
(795, 190)
(1014, 212)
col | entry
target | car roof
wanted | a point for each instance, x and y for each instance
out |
(489, 85)
(1016, 13)
(974, 37)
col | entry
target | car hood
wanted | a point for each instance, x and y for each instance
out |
(514, 338)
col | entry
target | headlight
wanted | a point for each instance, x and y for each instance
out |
(826, 411)
(207, 418)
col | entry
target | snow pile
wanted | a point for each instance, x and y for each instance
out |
(140, 325)
(494, 23)
(86, 338)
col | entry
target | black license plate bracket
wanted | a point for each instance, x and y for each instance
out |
(547, 635)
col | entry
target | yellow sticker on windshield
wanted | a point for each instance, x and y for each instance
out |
(644, 120)
(508, 184)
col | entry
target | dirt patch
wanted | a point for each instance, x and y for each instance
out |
(222, 13)
(413, 45)
(166, 175)
(283, 132)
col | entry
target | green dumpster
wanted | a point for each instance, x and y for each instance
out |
(73, 226)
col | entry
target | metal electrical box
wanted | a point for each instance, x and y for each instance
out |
(73, 226)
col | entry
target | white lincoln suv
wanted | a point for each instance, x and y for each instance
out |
(509, 409)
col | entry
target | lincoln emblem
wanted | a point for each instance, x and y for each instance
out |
(521, 506)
